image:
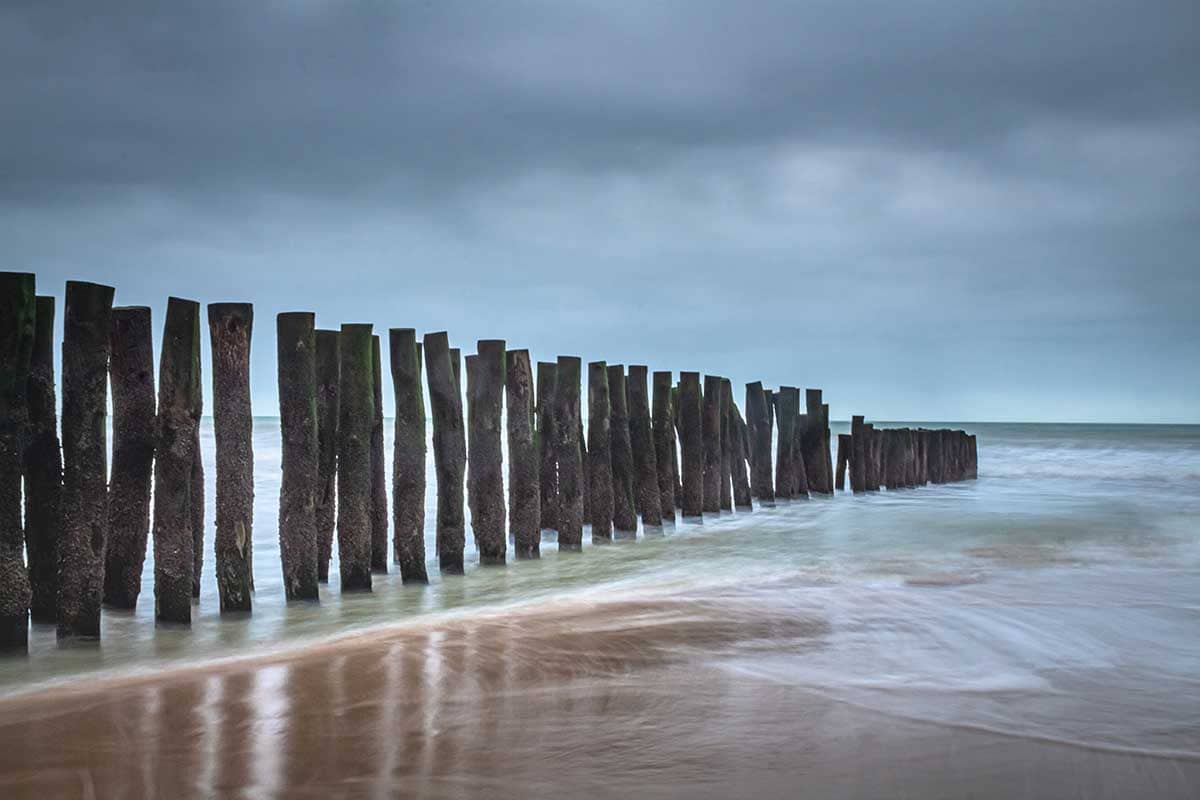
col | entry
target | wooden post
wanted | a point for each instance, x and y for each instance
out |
(408, 456)
(197, 507)
(621, 453)
(87, 327)
(875, 459)
(665, 458)
(711, 427)
(910, 459)
(758, 419)
(641, 440)
(843, 460)
(449, 450)
(567, 453)
(741, 481)
(674, 453)
(230, 327)
(18, 330)
(379, 503)
(827, 448)
(524, 495)
(692, 443)
(296, 354)
(858, 456)
(174, 456)
(328, 368)
(813, 437)
(799, 465)
(974, 451)
(585, 476)
(546, 442)
(726, 465)
(485, 467)
(456, 365)
(599, 446)
(787, 402)
(356, 417)
(131, 374)
(43, 469)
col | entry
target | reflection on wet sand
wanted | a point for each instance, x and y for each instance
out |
(616, 699)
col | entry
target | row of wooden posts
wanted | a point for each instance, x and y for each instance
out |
(85, 532)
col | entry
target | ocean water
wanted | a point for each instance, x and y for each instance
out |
(1055, 598)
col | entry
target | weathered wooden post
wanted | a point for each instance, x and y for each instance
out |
(910, 459)
(524, 495)
(875, 460)
(858, 454)
(641, 440)
(379, 503)
(449, 451)
(296, 353)
(230, 327)
(799, 466)
(174, 456)
(786, 413)
(485, 466)
(328, 368)
(726, 464)
(813, 438)
(87, 327)
(621, 453)
(666, 460)
(828, 448)
(974, 450)
(43, 468)
(547, 444)
(567, 433)
(843, 460)
(758, 413)
(674, 454)
(585, 475)
(197, 508)
(456, 365)
(711, 431)
(741, 481)
(893, 459)
(357, 416)
(408, 456)
(131, 374)
(599, 447)
(692, 443)
(18, 330)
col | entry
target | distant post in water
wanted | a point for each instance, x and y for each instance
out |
(230, 327)
(354, 457)
(664, 444)
(786, 399)
(570, 464)
(174, 456)
(547, 446)
(43, 468)
(131, 374)
(711, 426)
(408, 456)
(524, 462)
(296, 352)
(449, 451)
(692, 444)
(328, 367)
(600, 452)
(485, 467)
(87, 328)
(621, 451)
(18, 323)
(641, 441)
(379, 508)
(758, 421)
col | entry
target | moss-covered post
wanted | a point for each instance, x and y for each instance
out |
(356, 418)
(485, 471)
(43, 470)
(379, 492)
(758, 422)
(449, 451)
(621, 452)
(858, 454)
(131, 375)
(692, 443)
(408, 456)
(599, 447)
(546, 443)
(296, 354)
(174, 455)
(641, 441)
(87, 328)
(18, 330)
(786, 401)
(666, 460)
(230, 328)
(328, 368)
(524, 461)
(567, 433)
(711, 432)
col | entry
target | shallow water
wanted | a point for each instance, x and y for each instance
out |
(1053, 600)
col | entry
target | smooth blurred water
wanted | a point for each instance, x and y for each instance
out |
(1054, 597)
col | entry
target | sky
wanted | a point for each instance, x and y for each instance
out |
(932, 210)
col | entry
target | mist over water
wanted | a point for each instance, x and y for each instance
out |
(1055, 598)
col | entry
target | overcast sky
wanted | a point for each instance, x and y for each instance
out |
(932, 210)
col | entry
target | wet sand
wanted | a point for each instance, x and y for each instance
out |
(611, 699)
